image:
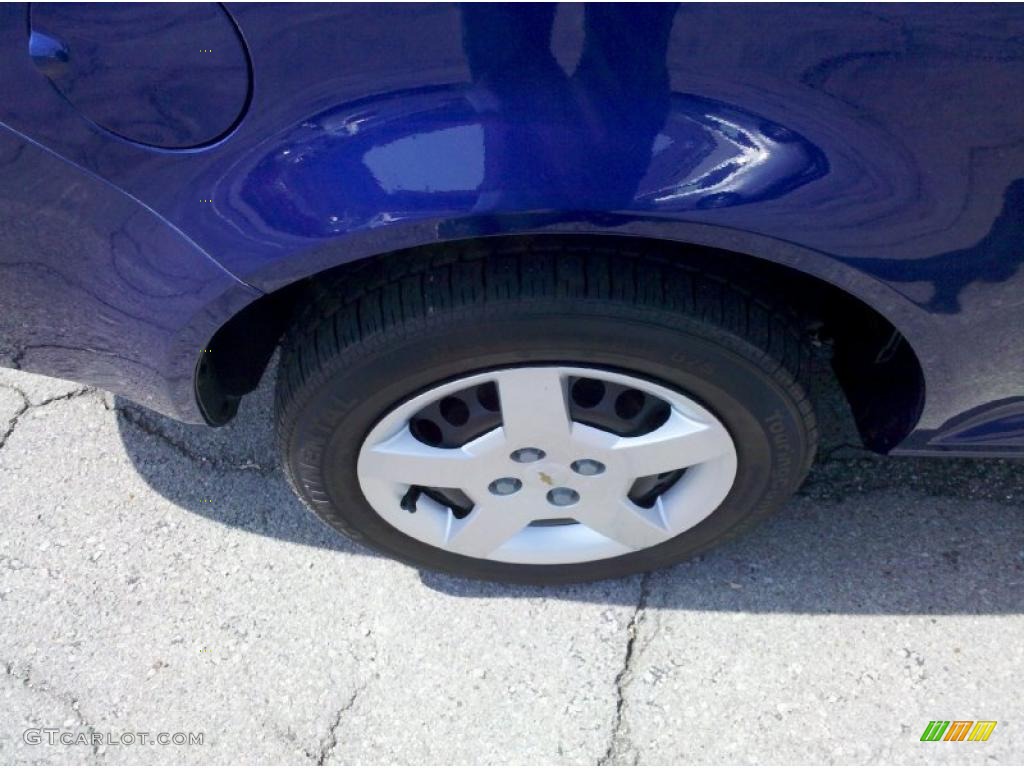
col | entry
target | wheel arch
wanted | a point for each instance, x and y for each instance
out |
(872, 357)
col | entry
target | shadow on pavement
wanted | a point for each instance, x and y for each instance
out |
(866, 534)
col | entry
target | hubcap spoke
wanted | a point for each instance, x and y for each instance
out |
(404, 459)
(680, 442)
(485, 529)
(533, 406)
(623, 521)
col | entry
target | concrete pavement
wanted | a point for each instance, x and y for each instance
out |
(160, 578)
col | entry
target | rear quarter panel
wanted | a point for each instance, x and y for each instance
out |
(878, 147)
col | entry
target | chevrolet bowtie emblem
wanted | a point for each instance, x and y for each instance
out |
(546, 478)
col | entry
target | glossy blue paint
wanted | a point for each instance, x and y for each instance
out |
(139, 78)
(880, 148)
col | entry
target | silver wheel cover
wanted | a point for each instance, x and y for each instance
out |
(585, 474)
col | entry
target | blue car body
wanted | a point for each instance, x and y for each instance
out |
(162, 168)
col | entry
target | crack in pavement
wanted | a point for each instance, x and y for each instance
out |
(619, 745)
(13, 421)
(27, 679)
(330, 741)
(145, 425)
(29, 406)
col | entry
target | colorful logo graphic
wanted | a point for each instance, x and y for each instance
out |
(958, 730)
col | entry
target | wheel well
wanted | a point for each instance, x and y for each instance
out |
(873, 363)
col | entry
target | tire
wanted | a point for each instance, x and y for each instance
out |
(389, 331)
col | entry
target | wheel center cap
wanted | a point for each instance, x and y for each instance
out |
(549, 475)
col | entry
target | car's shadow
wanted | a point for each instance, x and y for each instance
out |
(864, 535)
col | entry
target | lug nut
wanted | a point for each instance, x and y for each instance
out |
(527, 455)
(587, 467)
(563, 497)
(505, 486)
